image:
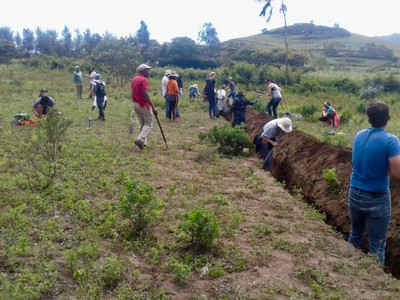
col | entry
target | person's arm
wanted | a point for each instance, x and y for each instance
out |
(146, 96)
(394, 163)
(269, 93)
(275, 144)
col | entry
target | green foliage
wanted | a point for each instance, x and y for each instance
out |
(111, 271)
(43, 150)
(345, 116)
(361, 108)
(140, 206)
(338, 140)
(308, 110)
(230, 141)
(216, 271)
(200, 228)
(180, 271)
(208, 35)
(331, 178)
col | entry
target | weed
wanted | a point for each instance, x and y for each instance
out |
(111, 272)
(234, 257)
(180, 271)
(338, 140)
(253, 181)
(216, 271)
(284, 244)
(200, 228)
(312, 213)
(308, 110)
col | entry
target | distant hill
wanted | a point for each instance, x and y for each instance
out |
(394, 38)
(323, 47)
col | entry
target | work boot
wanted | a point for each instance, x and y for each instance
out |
(140, 144)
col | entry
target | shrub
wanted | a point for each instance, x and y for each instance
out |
(230, 141)
(338, 140)
(361, 108)
(140, 206)
(331, 178)
(345, 116)
(111, 272)
(200, 228)
(308, 110)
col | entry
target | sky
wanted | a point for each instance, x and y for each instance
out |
(167, 19)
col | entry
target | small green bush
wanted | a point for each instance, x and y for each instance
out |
(331, 178)
(140, 206)
(230, 141)
(200, 227)
(308, 110)
(338, 140)
(345, 116)
(361, 108)
(111, 272)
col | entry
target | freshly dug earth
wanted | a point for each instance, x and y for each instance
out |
(299, 162)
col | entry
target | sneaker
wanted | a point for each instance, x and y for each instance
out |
(140, 144)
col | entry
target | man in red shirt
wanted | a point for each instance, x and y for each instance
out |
(142, 104)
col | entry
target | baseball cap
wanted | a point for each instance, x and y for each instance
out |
(97, 76)
(285, 124)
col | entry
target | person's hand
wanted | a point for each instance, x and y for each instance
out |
(155, 111)
(275, 144)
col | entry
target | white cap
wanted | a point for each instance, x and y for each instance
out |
(143, 67)
(285, 124)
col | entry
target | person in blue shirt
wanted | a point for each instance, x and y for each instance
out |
(376, 153)
(43, 104)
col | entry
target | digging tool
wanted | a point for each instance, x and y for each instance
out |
(162, 132)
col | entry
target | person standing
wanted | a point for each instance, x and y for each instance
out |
(164, 83)
(92, 74)
(42, 104)
(209, 92)
(142, 104)
(172, 95)
(99, 90)
(222, 108)
(276, 93)
(232, 88)
(376, 153)
(78, 79)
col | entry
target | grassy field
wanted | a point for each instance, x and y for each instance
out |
(77, 239)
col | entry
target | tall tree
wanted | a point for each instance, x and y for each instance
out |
(46, 41)
(77, 43)
(143, 34)
(208, 35)
(18, 42)
(267, 12)
(7, 52)
(28, 42)
(6, 34)
(66, 41)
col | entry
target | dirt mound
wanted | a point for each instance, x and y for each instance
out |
(299, 162)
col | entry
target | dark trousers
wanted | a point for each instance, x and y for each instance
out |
(100, 103)
(274, 102)
(212, 108)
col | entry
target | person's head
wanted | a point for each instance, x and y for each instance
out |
(222, 87)
(167, 72)
(173, 75)
(97, 76)
(378, 114)
(77, 68)
(195, 85)
(91, 69)
(327, 104)
(229, 79)
(144, 70)
(240, 94)
(285, 124)
(42, 93)
(211, 75)
(268, 81)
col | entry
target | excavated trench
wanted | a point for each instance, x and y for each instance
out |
(299, 162)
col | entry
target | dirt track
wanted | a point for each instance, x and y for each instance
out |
(299, 162)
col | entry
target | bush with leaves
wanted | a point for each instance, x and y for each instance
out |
(345, 116)
(200, 227)
(331, 178)
(308, 110)
(140, 206)
(230, 141)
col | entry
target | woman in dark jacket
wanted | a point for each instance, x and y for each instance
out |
(209, 92)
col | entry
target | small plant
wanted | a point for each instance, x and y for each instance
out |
(331, 178)
(345, 116)
(308, 110)
(140, 206)
(338, 140)
(216, 271)
(200, 228)
(229, 141)
(361, 108)
(111, 272)
(180, 271)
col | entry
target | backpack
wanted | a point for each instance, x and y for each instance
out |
(100, 89)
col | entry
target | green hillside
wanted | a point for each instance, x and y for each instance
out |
(351, 52)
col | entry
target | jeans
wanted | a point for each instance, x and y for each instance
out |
(172, 113)
(232, 94)
(274, 102)
(100, 103)
(212, 108)
(167, 111)
(370, 211)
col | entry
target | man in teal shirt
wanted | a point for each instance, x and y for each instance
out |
(78, 79)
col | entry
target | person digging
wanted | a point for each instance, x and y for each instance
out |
(268, 139)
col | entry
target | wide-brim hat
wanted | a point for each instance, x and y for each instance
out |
(167, 72)
(285, 124)
(173, 73)
(143, 67)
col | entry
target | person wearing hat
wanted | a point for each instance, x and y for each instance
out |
(276, 93)
(193, 91)
(92, 74)
(99, 90)
(271, 132)
(329, 116)
(209, 93)
(78, 79)
(42, 104)
(164, 83)
(172, 95)
(232, 88)
(142, 104)
(239, 106)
